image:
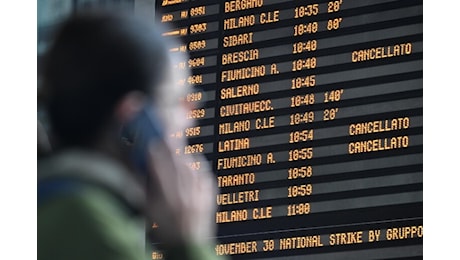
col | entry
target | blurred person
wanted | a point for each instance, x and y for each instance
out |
(103, 73)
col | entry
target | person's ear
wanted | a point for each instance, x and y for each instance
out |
(129, 105)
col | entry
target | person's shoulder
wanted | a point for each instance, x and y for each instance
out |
(85, 206)
(87, 181)
(89, 220)
(77, 166)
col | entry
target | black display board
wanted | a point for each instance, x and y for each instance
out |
(311, 116)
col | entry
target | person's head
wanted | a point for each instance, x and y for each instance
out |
(98, 70)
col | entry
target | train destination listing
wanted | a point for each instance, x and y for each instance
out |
(310, 115)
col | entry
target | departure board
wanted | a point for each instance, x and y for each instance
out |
(311, 117)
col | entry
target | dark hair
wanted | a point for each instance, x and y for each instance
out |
(96, 59)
